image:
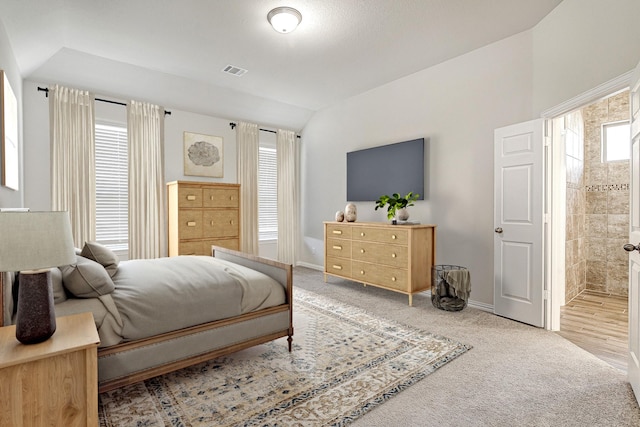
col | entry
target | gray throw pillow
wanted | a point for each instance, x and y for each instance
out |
(102, 255)
(86, 279)
(59, 294)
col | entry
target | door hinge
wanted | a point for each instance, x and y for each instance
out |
(546, 294)
(547, 141)
(547, 218)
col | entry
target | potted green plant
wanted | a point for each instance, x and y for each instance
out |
(395, 202)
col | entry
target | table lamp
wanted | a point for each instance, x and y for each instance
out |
(32, 243)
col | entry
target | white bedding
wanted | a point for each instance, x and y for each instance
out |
(166, 294)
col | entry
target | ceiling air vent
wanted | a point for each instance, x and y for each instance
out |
(236, 71)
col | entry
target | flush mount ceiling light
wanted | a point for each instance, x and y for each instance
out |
(284, 19)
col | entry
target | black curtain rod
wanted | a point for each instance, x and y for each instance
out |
(233, 126)
(46, 90)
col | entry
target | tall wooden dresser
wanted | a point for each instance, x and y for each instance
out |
(202, 214)
(394, 257)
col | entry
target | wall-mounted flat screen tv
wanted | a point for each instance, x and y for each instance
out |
(388, 169)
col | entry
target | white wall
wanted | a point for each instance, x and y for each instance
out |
(455, 106)
(10, 198)
(580, 45)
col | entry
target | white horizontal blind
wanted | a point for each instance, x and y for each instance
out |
(267, 194)
(112, 203)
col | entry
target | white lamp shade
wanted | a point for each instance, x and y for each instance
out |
(284, 19)
(35, 240)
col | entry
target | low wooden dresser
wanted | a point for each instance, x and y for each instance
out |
(202, 214)
(394, 257)
(52, 383)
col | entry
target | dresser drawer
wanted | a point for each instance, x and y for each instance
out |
(190, 248)
(189, 223)
(379, 253)
(389, 277)
(189, 197)
(221, 223)
(220, 197)
(233, 244)
(203, 247)
(337, 230)
(392, 235)
(339, 266)
(338, 248)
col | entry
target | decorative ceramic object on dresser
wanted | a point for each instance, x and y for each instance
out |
(339, 216)
(397, 205)
(350, 212)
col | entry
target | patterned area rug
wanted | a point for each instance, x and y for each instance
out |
(344, 363)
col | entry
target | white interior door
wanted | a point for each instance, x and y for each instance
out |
(519, 222)
(634, 239)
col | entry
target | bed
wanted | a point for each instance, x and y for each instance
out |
(157, 316)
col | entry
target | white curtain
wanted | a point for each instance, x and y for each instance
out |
(287, 172)
(72, 127)
(147, 225)
(248, 149)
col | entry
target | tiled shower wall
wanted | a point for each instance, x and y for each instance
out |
(575, 259)
(607, 201)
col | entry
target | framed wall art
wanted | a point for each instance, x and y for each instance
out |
(203, 155)
(8, 134)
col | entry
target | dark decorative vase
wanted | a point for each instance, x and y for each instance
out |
(36, 316)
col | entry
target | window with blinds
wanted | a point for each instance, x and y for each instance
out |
(112, 204)
(267, 194)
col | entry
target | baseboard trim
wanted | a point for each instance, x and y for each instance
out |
(309, 265)
(471, 303)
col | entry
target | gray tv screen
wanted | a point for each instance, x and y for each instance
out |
(387, 169)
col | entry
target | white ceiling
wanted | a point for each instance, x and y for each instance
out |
(172, 52)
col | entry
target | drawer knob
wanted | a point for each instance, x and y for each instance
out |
(191, 223)
(231, 197)
(362, 272)
(231, 222)
(361, 251)
(338, 248)
(362, 234)
(337, 267)
(337, 231)
(393, 279)
(211, 223)
(393, 237)
(393, 255)
(210, 197)
(191, 197)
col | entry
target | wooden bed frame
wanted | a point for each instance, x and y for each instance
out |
(164, 343)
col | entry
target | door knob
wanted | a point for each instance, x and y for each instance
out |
(630, 248)
(498, 230)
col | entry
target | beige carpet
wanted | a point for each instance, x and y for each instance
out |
(345, 362)
(516, 375)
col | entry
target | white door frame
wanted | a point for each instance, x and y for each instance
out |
(555, 179)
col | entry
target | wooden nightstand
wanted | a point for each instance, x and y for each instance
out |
(54, 382)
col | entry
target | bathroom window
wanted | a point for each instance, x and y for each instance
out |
(616, 141)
